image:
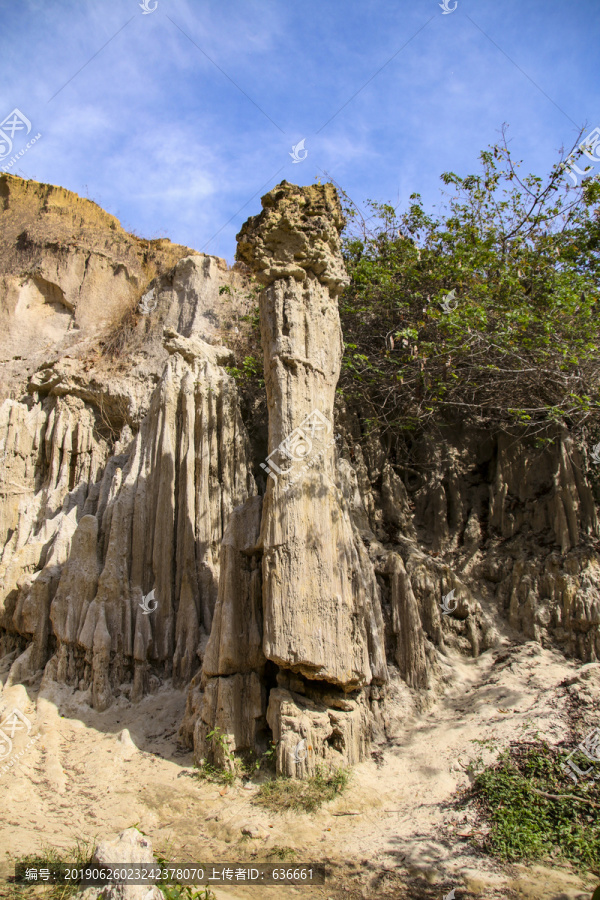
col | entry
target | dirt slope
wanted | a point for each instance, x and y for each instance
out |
(395, 833)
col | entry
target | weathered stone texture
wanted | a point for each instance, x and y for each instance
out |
(321, 604)
(154, 521)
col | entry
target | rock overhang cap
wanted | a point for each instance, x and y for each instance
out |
(296, 235)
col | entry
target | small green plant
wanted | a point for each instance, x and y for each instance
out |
(219, 738)
(226, 774)
(250, 762)
(242, 766)
(249, 373)
(207, 772)
(268, 757)
(253, 318)
(283, 853)
(302, 796)
(224, 289)
(185, 892)
(533, 809)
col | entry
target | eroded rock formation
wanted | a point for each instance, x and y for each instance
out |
(322, 625)
(137, 542)
(153, 521)
(68, 270)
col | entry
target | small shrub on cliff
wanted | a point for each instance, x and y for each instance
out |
(249, 370)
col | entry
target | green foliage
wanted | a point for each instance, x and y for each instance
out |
(302, 796)
(283, 853)
(249, 373)
(246, 345)
(253, 318)
(518, 342)
(225, 774)
(219, 738)
(236, 766)
(216, 774)
(534, 809)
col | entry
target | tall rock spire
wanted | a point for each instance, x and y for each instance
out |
(322, 618)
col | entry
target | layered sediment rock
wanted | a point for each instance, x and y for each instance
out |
(68, 270)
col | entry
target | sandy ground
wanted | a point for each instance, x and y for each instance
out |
(395, 833)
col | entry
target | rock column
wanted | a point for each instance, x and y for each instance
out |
(322, 621)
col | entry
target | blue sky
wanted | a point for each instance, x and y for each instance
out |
(188, 114)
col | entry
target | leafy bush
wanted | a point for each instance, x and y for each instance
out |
(514, 261)
(250, 370)
(534, 809)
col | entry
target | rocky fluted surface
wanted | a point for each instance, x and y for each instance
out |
(145, 523)
(321, 601)
(510, 527)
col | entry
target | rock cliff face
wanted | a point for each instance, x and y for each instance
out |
(148, 519)
(511, 527)
(137, 542)
(118, 476)
(67, 271)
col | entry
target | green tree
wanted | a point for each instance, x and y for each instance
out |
(487, 313)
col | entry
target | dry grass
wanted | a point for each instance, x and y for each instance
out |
(282, 794)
